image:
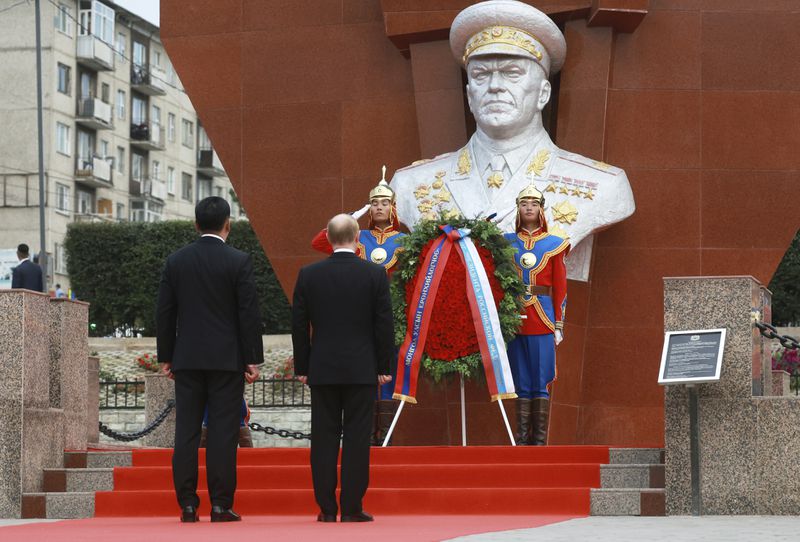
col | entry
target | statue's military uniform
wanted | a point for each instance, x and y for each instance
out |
(583, 195)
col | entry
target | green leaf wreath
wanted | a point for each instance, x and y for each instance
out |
(484, 234)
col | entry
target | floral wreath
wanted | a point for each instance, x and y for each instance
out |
(452, 345)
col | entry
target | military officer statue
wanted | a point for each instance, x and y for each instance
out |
(509, 49)
(539, 257)
(378, 244)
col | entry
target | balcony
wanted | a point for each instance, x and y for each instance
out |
(95, 53)
(148, 80)
(94, 113)
(148, 188)
(92, 218)
(147, 136)
(208, 163)
(94, 172)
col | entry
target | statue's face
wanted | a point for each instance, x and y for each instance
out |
(505, 93)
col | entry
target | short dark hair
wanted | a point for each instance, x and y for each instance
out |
(211, 213)
(23, 249)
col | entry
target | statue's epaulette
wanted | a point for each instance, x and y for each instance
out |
(427, 161)
(596, 165)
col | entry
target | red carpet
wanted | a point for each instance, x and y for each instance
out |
(479, 480)
(256, 528)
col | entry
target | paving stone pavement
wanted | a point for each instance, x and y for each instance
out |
(655, 529)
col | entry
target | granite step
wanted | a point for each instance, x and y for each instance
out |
(628, 502)
(653, 456)
(78, 480)
(77, 505)
(632, 476)
(97, 459)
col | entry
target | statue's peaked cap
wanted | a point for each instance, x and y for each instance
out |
(508, 27)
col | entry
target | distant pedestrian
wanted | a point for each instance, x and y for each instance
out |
(59, 291)
(27, 275)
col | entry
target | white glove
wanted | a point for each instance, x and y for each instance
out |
(361, 212)
(558, 337)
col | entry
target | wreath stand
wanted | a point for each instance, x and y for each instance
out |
(463, 419)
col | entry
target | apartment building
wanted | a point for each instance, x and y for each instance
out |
(121, 138)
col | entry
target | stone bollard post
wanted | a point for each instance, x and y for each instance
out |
(159, 389)
(93, 400)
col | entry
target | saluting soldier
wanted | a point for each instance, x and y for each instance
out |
(539, 259)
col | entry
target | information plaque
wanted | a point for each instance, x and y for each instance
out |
(691, 357)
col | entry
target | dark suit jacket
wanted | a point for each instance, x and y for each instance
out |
(27, 275)
(208, 317)
(342, 329)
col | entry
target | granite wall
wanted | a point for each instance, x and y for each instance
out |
(43, 389)
(748, 438)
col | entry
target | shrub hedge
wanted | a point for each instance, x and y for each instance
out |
(117, 267)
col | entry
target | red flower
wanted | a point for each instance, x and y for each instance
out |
(451, 333)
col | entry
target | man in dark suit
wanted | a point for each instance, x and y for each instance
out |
(342, 333)
(27, 275)
(209, 341)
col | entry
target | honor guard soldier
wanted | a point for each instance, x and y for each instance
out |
(539, 258)
(378, 244)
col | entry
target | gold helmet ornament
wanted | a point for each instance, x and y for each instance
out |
(382, 190)
(530, 192)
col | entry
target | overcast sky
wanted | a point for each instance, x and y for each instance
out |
(147, 9)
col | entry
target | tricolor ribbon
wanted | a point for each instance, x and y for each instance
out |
(484, 315)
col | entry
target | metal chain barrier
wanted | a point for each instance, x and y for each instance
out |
(771, 332)
(128, 437)
(283, 433)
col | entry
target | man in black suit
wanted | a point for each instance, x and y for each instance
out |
(209, 341)
(27, 275)
(342, 333)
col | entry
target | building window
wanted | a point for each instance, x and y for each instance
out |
(121, 104)
(85, 203)
(121, 159)
(156, 170)
(62, 198)
(64, 82)
(120, 46)
(187, 134)
(105, 92)
(60, 257)
(103, 22)
(171, 127)
(186, 186)
(155, 117)
(157, 58)
(203, 188)
(138, 167)
(138, 111)
(171, 181)
(120, 211)
(62, 139)
(63, 20)
(103, 148)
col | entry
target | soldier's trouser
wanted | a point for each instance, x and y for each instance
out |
(533, 364)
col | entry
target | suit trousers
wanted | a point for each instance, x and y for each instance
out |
(221, 392)
(344, 411)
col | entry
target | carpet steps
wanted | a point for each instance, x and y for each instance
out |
(383, 501)
(384, 476)
(403, 480)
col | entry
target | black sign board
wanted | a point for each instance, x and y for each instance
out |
(691, 357)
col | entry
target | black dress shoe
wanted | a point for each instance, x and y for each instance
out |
(189, 514)
(326, 518)
(219, 514)
(357, 518)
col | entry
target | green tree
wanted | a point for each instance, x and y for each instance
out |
(117, 267)
(785, 286)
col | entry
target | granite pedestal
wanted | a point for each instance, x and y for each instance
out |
(748, 438)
